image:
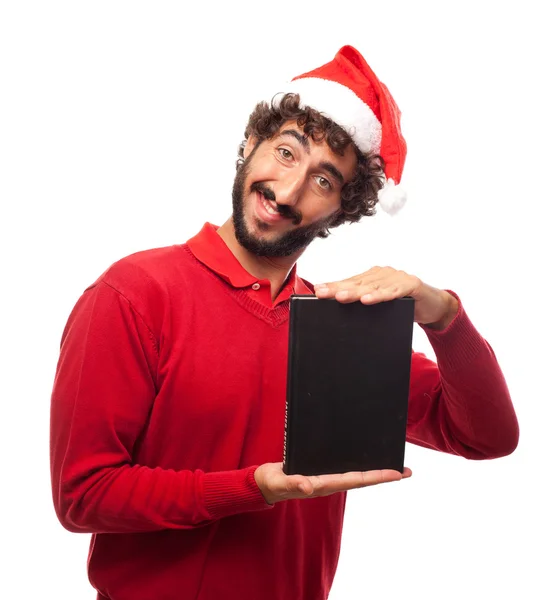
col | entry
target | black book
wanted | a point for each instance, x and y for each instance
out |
(348, 385)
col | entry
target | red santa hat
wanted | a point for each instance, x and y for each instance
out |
(347, 91)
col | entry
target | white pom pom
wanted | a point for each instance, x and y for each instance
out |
(391, 197)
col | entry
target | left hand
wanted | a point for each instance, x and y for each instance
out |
(433, 307)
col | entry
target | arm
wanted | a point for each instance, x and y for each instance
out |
(101, 400)
(461, 404)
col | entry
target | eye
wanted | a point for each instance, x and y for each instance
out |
(323, 183)
(286, 154)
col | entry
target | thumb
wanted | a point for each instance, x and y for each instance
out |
(296, 484)
(305, 486)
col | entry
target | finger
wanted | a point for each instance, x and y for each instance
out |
(330, 484)
(368, 292)
(351, 290)
(396, 284)
(350, 294)
(331, 288)
(328, 290)
(381, 294)
(325, 485)
(388, 289)
(376, 477)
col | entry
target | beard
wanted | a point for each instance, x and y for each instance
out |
(286, 244)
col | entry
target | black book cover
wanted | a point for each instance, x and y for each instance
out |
(348, 385)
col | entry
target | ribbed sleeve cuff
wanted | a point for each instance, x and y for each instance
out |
(231, 492)
(459, 343)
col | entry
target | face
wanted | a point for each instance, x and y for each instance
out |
(287, 191)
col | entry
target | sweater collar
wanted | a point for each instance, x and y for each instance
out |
(210, 249)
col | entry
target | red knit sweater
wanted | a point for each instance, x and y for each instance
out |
(170, 391)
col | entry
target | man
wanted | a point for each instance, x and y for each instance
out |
(168, 405)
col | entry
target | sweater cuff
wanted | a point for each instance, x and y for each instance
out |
(232, 492)
(459, 343)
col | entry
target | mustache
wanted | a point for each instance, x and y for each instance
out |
(284, 210)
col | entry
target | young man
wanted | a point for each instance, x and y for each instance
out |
(168, 405)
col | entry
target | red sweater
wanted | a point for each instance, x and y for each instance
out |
(170, 391)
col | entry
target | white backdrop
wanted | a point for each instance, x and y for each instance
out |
(119, 125)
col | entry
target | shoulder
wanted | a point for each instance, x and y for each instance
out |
(148, 278)
(147, 268)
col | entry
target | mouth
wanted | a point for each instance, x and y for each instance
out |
(267, 211)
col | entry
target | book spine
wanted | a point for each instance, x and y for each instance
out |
(288, 417)
(284, 452)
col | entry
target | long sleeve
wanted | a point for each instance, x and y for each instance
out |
(461, 405)
(103, 393)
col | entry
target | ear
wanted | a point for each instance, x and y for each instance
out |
(250, 145)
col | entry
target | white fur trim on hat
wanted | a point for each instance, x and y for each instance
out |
(340, 104)
(391, 197)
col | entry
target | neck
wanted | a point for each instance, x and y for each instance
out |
(276, 270)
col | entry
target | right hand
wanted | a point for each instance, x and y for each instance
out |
(276, 486)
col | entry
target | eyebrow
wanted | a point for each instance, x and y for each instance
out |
(326, 166)
(330, 168)
(301, 138)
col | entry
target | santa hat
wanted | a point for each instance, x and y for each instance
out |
(347, 91)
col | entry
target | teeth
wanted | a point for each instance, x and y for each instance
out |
(269, 207)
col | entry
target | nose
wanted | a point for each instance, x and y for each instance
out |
(288, 190)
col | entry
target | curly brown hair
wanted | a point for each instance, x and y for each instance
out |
(359, 195)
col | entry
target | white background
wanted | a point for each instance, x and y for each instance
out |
(119, 125)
